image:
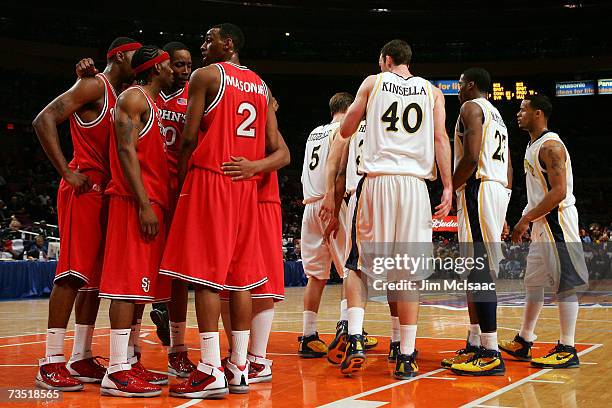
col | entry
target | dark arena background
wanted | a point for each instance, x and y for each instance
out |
(306, 51)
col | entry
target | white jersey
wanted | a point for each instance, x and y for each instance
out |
(399, 138)
(494, 152)
(537, 177)
(354, 157)
(315, 160)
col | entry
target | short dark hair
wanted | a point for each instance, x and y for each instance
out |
(142, 55)
(174, 46)
(399, 51)
(480, 77)
(229, 30)
(120, 41)
(340, 102)
(540, 102)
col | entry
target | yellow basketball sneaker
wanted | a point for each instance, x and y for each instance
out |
(461, 356)
(561, 356)
(311, 346)
(369, 341)
(518, 348)
(483, 363)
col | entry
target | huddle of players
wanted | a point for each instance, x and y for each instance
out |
(133, 225)
(363, 185)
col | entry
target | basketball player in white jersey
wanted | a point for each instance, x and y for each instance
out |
(404, 138)
(337, 209)
(318, 255)
(555, 253)
(481, 181)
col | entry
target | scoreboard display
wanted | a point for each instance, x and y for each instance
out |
(604, 86)
(511, 91)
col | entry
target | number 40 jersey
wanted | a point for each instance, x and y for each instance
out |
(399, 137)
(315, 160)
(493, 158)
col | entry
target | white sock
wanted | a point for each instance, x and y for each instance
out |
(209, 349)
(119, 339)
(568, 314)
(489, 341)
(474, 335)
(177, 334)
(240, 345)
(82, 341)
(395, 328)
(310, 322)
(355, 320)
(407, 338)
(534, 301)
(261, 326)
(134, 333)
(343, 308)
(55, 342)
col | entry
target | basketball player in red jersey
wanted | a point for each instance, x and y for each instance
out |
(228, 114)
(136, 234)
(172, 103)
(270, 240)
(83, 212)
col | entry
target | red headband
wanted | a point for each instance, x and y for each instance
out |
(124, 47)
(146, 65)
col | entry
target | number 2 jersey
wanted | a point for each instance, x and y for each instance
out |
(235, 122)
(399, 137)
(493, 157)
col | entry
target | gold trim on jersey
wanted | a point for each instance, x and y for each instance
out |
(480, 214)
(357, 219)
(482, 141)
(375, 90)
(466, 217)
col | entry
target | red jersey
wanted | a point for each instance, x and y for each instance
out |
(91, 140)
(172, 109)
(151, 151)
(235, 122)
(267, 188)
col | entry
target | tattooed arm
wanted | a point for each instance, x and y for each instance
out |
(84, 91)
(553, 160)
(129, 111)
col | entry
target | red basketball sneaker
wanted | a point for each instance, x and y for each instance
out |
(53, 375)
(260, 369)
(204, 382)
(149, 376)
(179, 363)
(120, 381)
(237, 377)
(88, 369)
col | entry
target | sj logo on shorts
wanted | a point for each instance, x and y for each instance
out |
(146, 285)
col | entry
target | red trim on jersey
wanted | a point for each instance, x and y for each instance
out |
(146, 65)
(124, 47)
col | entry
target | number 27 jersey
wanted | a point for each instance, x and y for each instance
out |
(235, 122)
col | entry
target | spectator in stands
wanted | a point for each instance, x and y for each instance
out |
(584, 236)
(37, 246)
(13, 229)
(3, 212)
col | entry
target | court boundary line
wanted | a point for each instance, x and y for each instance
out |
(509, 387)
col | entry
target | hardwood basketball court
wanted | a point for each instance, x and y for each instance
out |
(311, 383)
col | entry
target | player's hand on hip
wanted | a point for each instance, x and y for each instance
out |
(331, 230)
(328, 205)
(149, 225)
(80, 182)
(446, 203)
(239, 168)
(86, 68)
(519, 230)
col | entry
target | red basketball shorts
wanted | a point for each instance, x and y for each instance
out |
(82, 220)
(271, 247)
(214, 237)
(131, 262)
